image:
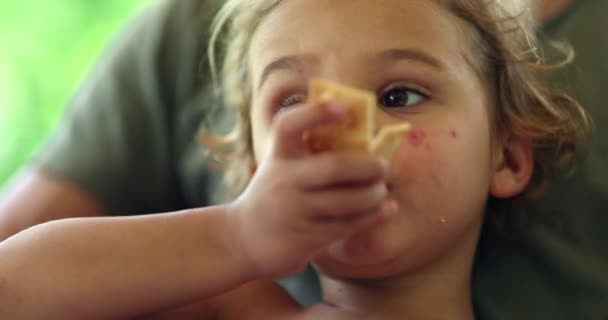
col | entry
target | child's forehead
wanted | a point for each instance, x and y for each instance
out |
(360, 16)
(358, 27)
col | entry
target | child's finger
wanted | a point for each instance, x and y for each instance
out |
(349, 225)
(346, 202)
(291, 125)
(340, 168)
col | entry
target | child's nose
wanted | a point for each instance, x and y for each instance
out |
(346, 68)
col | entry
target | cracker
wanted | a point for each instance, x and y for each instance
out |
(356, 130)
(388, 140)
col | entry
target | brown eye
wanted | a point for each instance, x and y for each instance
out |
(396, 97)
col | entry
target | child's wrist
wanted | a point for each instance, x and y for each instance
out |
(234, 243)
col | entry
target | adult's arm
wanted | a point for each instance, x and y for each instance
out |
(35, 197)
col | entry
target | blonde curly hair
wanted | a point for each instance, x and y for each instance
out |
(502, 50)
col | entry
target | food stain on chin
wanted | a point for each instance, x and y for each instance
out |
(416, 137)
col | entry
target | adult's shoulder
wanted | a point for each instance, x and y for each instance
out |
(119, 127)
(168, 38)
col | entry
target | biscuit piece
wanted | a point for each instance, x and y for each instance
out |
(387, 141)
(355, 130)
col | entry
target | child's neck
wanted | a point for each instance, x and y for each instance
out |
(439, 291)
(389, 301)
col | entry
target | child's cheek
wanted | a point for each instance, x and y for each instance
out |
(421, 168)
(420, 138)
(417, 138)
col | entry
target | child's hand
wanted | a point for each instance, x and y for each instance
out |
(298, 203)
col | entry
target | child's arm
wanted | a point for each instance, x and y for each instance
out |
(296, 205)
(92, 268)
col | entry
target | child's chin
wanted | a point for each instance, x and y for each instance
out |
(361, 249)
(359, 256)
(339, 269)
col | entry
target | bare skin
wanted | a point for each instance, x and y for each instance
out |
(36, 197)
(546, 10)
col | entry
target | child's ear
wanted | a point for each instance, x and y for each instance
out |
(513, 169)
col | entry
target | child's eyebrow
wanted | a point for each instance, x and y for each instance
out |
(412, 54)
(291, 62)
(296, 62)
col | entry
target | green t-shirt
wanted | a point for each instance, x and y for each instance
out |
(128, 138)
(128, 134)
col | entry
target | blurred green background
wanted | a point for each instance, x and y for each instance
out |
(46, 47)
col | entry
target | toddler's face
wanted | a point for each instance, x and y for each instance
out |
(411, 53)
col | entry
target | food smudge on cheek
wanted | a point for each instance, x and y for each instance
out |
(416, 138)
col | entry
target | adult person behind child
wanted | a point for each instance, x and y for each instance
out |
(559, 263)
(127, 146)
